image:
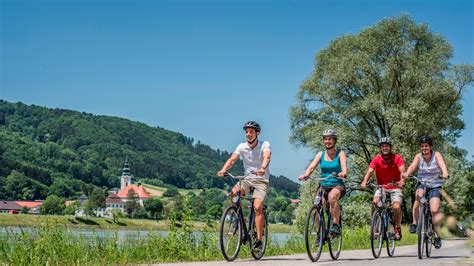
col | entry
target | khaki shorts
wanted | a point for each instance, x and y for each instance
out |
(259, 185)
(396, 195)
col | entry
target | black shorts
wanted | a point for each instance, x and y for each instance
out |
(341, 188)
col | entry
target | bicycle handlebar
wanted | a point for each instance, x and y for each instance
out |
(385, 185)
(424, 180)
(333, 174)
(239, 177)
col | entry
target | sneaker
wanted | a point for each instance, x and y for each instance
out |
(258, 245)
(437, 242)
(335, 230)
(398, 233)
(413, 228)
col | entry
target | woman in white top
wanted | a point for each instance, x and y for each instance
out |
(430, 164)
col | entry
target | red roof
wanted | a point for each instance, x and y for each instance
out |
(9, 205)
(139, 189)
(295, 201)
(29, 204)
(113, 199)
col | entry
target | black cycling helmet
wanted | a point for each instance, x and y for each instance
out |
(426, 139)
(385, 140)
(252, 124)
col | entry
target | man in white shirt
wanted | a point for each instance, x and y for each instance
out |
(256, 158)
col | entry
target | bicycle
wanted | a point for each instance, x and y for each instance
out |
(316, 233)
(382, 224)
(233, 231)
(424, 229)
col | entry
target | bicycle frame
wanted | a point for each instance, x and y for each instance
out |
(422, 225)
(316, 213)
(318, 202)
(383, 212)
(241, 215)
(384, 206)
(238, 203)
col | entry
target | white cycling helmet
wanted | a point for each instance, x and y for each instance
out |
(329, 133)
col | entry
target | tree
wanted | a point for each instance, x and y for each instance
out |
(140, 213)
(52, 205)
(71, 209)
(97, 198)
(25, 210)
(154, 207)
(88, 208)
(61, 188)
(392, 79)
(132, 202)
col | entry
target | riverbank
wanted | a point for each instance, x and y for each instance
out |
(54, 244)
(27, 220)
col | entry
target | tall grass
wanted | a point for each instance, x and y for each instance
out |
(53, 244)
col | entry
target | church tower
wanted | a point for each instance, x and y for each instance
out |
(126, 178)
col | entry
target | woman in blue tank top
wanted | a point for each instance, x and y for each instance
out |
(332, 161)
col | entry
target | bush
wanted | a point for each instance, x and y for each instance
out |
(356, 214)
(171, 192)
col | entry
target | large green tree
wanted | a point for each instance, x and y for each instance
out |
(53, 205)
(392, 79)
(154, 207)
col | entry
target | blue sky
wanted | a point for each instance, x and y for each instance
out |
(197, 67)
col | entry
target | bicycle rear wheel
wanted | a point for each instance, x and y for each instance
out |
(421, 231)
(390, 233)
(376, 234)
(258, 253)
(335, 242)
(230, 233)
(314, 232)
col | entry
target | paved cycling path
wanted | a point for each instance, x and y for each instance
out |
(453, 252)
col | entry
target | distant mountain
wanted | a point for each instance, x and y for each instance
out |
(47, 151)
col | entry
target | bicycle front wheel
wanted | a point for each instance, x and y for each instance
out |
(430, 235)
(390, 234)
(258, 253)
(421, 231)
(230, 233)
(335, 242)
(314, 232)
(376, 234)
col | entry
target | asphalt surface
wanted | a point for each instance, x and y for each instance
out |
(453, 252)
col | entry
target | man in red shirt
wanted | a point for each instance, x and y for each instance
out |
(388, 168)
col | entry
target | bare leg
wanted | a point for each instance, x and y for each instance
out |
(436, 215)
(398, 213)
(333, 198)
(416, 205)
(259, 217)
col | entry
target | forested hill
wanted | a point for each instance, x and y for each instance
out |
(47, 151)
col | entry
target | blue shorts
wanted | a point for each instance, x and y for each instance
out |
(432, 192)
